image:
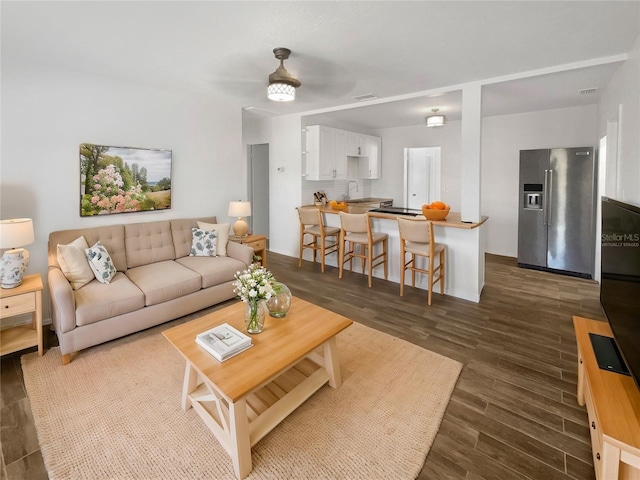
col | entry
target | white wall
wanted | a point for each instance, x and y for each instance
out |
(624, 91)
(502, 139)
(47, 113)
(395, 140)
(285, 150)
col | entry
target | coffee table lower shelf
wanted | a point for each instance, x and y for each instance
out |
(239, 425)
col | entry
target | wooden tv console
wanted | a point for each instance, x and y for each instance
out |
(613, 406)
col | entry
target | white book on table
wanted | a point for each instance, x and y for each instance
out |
(223, 341)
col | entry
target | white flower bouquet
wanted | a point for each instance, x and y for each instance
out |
(252, 286)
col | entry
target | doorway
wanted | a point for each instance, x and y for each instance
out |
(421, 176)
(259, 188)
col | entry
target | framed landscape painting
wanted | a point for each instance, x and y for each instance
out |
(123, 179)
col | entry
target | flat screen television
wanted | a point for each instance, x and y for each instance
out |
(620, 278)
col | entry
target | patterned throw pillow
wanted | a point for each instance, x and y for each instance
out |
(203, 243)
(100, 262)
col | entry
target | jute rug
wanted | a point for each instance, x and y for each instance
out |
(114, 413)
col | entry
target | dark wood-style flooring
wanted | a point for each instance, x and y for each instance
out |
(513, 414)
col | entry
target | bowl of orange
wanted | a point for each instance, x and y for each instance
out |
(435, 210)
(340, 206)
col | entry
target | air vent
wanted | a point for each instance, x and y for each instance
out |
(588, 91)
(366, 96)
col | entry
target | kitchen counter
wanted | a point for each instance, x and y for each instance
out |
(453, 219)
(464, 262)
(369, 200)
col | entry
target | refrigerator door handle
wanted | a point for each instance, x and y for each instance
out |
(549, 218)
(545, 203)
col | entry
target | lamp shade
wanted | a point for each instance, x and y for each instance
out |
(239, 209)
(16, 232)
(435, 121)
(281, 92)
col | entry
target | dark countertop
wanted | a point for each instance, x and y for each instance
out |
(369, 200)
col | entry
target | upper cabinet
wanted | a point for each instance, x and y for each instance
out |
(328, 151)
(326, 157)
(369, 166)
(356, 144)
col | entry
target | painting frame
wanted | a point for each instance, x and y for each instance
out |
(117, 180)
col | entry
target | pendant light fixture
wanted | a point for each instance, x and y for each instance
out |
(282, 86)
(434, 120)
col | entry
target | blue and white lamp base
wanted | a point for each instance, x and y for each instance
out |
(13, 265)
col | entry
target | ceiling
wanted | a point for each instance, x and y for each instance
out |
(339, 50)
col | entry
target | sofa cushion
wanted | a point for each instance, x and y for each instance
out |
(181, 233)
(222, 232)
(164, 281)
(204, 243)
(101, 263)
(112, 237)
(213, 270)
(98, 301)
(148, 243)
(74, 264)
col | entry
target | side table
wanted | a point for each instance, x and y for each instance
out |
(257, 242)
(27, 298)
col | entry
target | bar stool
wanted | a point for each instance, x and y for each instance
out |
(355, 228)
(311, 224)
(416, 238)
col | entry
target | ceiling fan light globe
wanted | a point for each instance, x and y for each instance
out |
(281, 92)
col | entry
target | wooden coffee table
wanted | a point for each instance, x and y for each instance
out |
(245, 397)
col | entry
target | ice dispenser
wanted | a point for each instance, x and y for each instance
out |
(533, 196)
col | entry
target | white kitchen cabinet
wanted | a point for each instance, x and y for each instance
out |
(356, 144)
(340, 154)
(326, 157)
(369, 166)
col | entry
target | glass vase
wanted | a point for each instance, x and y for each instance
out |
(254, 315)
(280, 302)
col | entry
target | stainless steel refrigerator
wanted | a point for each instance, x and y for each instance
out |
(556, 222)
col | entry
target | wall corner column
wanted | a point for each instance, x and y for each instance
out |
(471, 144)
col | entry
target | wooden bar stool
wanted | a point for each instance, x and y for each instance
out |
(416, 238)
(311, 224)
(355, 228)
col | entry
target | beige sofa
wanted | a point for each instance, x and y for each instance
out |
(156, 281)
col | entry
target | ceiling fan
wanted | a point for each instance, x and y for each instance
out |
(282, 86)
(243, 77)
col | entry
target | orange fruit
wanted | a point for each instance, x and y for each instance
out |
(438, 205)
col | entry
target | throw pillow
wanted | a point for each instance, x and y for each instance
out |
(222, 232)
(73, 263)
(101, 263)
(203, 243)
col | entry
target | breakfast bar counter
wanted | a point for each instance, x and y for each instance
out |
(464, 246)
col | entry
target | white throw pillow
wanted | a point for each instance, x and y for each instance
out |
(73, 263)
(100, 262)
(222, 231)
(203, 243)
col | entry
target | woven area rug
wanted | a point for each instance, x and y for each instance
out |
(114, 413)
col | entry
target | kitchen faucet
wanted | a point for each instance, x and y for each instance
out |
(349, 188)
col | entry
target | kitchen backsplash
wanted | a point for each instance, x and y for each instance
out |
(335, 189)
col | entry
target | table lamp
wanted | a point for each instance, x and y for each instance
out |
(14, 234)
(240, 209)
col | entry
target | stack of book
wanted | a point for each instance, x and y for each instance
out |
(223, 341)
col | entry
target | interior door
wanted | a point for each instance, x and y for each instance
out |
(422, 176)
(259, 188)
